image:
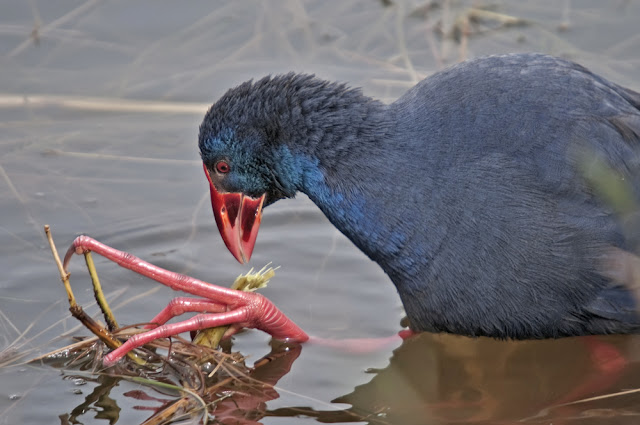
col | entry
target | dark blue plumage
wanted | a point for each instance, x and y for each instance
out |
(472, 191)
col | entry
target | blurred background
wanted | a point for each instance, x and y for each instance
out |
(100, 103)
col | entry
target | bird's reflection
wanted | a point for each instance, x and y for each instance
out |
(450, 379)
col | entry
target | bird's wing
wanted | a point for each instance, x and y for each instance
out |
(615, 303)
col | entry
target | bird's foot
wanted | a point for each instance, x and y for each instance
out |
(219, 307)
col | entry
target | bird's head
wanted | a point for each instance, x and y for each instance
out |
(246, 159)
(266, 140)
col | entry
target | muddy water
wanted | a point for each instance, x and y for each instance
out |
(129, 175)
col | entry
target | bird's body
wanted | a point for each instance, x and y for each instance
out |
(471, 191)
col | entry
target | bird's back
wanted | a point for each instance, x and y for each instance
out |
(507, 229)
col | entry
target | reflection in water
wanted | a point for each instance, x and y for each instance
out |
(234, 394)
(449, 379)
(431, 379)
(99, 403)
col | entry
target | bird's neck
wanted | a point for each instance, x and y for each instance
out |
(341, 163)
(357, 212)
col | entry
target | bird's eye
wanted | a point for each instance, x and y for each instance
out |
(222, 167)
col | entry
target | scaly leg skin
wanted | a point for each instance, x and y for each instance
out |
(235, 308)
(181, 305)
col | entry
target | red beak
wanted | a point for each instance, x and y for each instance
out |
(238, 219)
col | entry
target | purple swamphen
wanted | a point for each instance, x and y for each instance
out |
(475, 193)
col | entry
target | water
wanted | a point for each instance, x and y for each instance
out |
(131, 178)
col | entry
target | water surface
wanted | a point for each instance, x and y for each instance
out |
(130, 176)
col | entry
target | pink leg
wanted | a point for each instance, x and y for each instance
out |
(363, 345)
(245, 309)
(200, 321)
(181, 305)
